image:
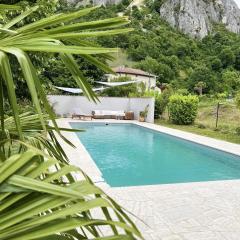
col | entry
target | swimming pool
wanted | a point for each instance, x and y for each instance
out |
(131, 155)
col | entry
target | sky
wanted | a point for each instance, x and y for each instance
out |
(238, 2)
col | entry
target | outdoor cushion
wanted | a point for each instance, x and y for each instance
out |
(108, 113)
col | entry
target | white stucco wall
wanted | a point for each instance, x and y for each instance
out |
(65, 105)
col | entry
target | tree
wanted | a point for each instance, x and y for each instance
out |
(237, 61)
(200, 86)
(215, 63)
(237, 99)
(149, 64)
(40, 198)
(231, 80)
(136, 13)
(227, 57)
(122, 91)
(40, 60)
(163, 71)
(204, 75)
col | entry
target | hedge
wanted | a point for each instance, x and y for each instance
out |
(183, 109)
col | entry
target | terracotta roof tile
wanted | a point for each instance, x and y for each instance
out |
(132, 71)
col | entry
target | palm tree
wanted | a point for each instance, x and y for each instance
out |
(40, 197)
(199, 87)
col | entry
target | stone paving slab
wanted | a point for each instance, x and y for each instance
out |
(183, 211)
(188, 211)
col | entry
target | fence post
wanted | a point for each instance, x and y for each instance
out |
(218, 106)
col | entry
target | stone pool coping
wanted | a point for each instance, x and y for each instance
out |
(203, 140)
(183, 211)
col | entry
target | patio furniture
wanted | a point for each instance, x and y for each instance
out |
(129, 115)
(108, 114)
(79, 114)
(120, 117)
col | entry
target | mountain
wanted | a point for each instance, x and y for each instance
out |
(196, 17)
(193, 17)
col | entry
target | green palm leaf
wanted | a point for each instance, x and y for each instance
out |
(20, 17)
(63, 206)
(5, 7)
(40, 197)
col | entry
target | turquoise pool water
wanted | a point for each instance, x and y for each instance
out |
(129, 155)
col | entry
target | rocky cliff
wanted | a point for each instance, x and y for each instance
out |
(193, 17)
(196, 17)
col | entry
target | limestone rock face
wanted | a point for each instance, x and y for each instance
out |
(195, 17)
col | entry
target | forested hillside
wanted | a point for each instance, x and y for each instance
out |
(174, 57)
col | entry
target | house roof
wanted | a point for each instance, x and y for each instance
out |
(132, 71)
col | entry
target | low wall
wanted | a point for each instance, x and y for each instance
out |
(65, 105)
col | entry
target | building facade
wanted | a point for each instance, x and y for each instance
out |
(134, 74)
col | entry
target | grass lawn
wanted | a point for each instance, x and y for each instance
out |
(205, 124)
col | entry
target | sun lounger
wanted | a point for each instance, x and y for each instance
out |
(81, 116)
(108, 114)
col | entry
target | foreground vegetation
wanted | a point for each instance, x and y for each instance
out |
(40, 195)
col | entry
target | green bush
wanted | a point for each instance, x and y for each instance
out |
(237, 99)
(161, 102)
(183, 109)
(182, 91)
(237, 130)
(201, 126)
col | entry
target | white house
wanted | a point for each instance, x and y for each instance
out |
(135, 74)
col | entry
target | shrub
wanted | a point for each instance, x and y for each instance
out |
(225, 129)
(161, 102)
(182, 91)
(237, 99)
(183, 109)
(201, 126)
(221, 96)
(237, 131)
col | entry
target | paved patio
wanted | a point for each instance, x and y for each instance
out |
(189, 211)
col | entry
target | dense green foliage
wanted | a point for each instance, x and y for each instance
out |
(161, 102)
(237, 99)
(210, 65)
(183, 109)
(51, 69)
(122, 91)
(186, 63)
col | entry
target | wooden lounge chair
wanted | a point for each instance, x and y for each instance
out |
(81, 116)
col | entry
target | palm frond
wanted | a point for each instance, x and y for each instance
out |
(19, 18)
(48, 204)
(5, 71)
(46, 36)
(32, 134)
(5, 7)
(40, 197)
